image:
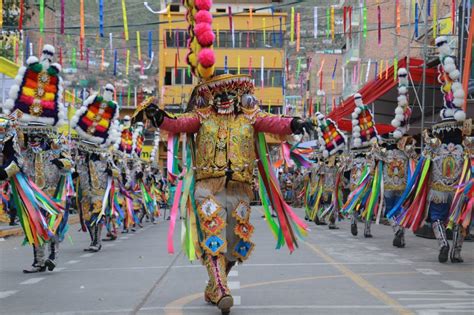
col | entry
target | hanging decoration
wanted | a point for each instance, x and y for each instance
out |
(60, 56)
(350, 22)
(344, 16)
(379, 25)
(231, 26)
(364, 17)
(101, 17)
(115, 62)
(125, 22)
(333, 22)
(428, 8)
(292, 25)
(41, 17)
(328, 22)
(262, 70)
(281, 32)
(139, 52)
(453, 17)
(298, 29)
(238, 64)
(315, 30)
(87, 58)
(250, 66)
(127, 62)
(416, 20)
(73, 57)
(397, 16)
(83, 30)
(435, 19)
(226, 68)
(150, 44)
(264, 32)
(102, 59)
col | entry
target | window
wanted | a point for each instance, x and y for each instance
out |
(221, 10)
(188, 78)
(178, 77)
(176, 37)
(174, 8)
(168, 77)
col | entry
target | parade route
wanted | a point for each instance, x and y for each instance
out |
(331, 273)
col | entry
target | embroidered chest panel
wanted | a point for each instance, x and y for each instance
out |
(224, 140)
(446, 166)
(395, 170)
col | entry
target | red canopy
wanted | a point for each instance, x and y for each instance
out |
(377, 88)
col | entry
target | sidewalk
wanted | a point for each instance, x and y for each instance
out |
(7, 231)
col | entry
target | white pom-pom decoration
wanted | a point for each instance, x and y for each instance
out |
(397, 134)
(399, 117)
(458, 102)
(399, 110)
(403, 90)
(356, 134)
(396, 123)
(456, 86)
(454, 75)
(449, 68)
(356, 129)
(355, 122)
(357, 142)
(354, 115)
(357, 110)
(325, 153)
(31, 60)
(448, 61)
(460, 115)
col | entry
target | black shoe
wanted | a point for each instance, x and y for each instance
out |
(13, 224)
(455, 260)
(443, 254)
(354, 229)
(225, 303)
(35, 269)
(50, 264)
(333, 226)
(398, 240)
(125, 231)
(274, 215)
(367, 235)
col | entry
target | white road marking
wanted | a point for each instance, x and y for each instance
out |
(125, 237)
(457, 284)
(372, 248)
(435, 292)
(3, 240)
(72, 262)
(87, 255)
(59, 269)
(4, 294)
(404, 261)
(428, 272)
(237, 300)
(32, 281)
(388, 255)
(109, 245)
(233, 273)
(233, 285)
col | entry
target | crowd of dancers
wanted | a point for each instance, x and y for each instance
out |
(97, 172)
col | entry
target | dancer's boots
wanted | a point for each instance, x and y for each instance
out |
(217, 291)
(354, 224)
(440, 232)
(399, 239)
(458, 239)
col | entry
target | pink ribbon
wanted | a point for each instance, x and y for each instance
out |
(174, 214)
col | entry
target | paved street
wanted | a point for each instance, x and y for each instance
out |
(331, 273)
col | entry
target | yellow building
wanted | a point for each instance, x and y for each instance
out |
(256, 39)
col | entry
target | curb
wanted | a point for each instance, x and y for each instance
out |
(18, 231)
